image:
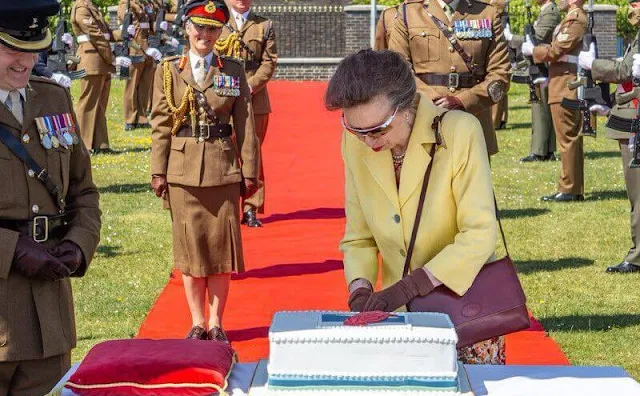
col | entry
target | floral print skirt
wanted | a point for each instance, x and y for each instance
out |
(490, 351)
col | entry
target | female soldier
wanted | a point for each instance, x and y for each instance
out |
(195, 165)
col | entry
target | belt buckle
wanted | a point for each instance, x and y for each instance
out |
(454, 80)
(204, 127)
(42, 221)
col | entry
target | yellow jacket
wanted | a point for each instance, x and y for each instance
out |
(458, 228)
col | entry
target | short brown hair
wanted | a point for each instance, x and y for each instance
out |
(366, 74)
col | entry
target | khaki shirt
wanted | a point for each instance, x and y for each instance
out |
(383, 28)
(36, 316)
(259, 36)
(567, 40)
(213, 162)
(428, 50)
(95, 55)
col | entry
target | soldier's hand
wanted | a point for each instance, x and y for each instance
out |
(636, 66)
(449, 102)
(172, 41)
(507, 33)
(131, 30)
(34, 261)
(61, 79)
(527, 48)
(67, 38)
(251, 186)
(123, 61)
(153, 53)
(164, 25)
(159, 185)
(69, 254)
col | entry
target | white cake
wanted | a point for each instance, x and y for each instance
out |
(313, 352)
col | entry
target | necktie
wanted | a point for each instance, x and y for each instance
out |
(14, 104)
(200, 72)
(448, 11)
(239, 21)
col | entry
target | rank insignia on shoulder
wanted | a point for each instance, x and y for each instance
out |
(57, 130)
(226, 85)
(473, 29)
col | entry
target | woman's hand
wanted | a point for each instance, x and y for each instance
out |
(251, 186)
(159, 185)
(358, 299)
(400, 293)
(449, 102)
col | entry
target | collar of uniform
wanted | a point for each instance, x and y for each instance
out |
(4, 94)
(453, 4)
(245, 15)
(193, 59)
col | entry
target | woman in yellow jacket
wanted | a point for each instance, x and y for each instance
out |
(386, 145)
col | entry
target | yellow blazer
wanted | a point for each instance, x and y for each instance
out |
(458, 230)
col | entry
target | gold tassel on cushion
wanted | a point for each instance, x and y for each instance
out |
(229, 46)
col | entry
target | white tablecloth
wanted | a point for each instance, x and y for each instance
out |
(503, 380)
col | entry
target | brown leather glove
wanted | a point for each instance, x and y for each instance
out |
(34, 261)
(250, 187)
(159, 185)
(71, 256)
(400, 293)
(449, 102)
(359, 298)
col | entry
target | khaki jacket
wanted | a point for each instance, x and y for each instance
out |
(143, 18)
(429, 51)
(617, 72)
(458, 230)
(184, 160)
(567, 40)
(95, 55)
(543, 27)
(36, 316)
(258, 34)
(384, 26)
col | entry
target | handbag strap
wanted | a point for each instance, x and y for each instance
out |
(436, 124)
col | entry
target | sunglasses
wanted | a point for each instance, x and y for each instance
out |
(369, 131)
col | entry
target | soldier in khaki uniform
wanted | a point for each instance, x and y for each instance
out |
(620, 72)
(251, 38)
(567, 41)
(384, 26)
(47, 233)
(138, 88)
(500, 111)
(93, 36)
(543, 136)
(195, 165)
(470, 74)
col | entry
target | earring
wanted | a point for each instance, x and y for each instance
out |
(406, 118)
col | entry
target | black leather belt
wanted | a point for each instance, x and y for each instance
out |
(40, 228)
(251, 65)
(623, 124)
(451, 80)
(206, 131)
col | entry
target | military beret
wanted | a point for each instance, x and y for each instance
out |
(207, 12)
(24, 24)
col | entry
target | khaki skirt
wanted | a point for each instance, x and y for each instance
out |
(206, 229)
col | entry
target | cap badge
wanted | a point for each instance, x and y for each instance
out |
(210, 7)
(35, 24)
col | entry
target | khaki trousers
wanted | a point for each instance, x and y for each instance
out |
(543, 136)
(500, 112)
(91, 111)
(137, 91)
(567, 124)
(256, 201)
(32, 377)
(632, 182)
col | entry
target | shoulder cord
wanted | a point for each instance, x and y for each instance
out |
(188, 100)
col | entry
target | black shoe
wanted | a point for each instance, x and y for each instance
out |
(536, 158)
(197, 333)
(551, 157)
(217, 334)
(249, 218)
(562, 197)
(103, 151)
(503, 125)
(130, 127)
(624, 268)
(144, 125)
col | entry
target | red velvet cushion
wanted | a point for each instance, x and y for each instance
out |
(154, 367)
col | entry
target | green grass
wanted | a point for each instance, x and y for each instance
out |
(561, 250)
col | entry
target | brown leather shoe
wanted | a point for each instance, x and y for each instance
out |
(217, 334)
(197, 333)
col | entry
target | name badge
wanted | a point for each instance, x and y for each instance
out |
(226, 85)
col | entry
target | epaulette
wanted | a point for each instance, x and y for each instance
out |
(45, 80)
(226, 58)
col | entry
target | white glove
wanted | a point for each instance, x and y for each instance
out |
(67, 38)
(172, 41)
(164, 25)
(131, 30)
(61, 79)
(586, 58)
(527, 47)
(507, 33)
(153, 53)
(107, 36)
(543, 81)
(635, 69)
(123, 61)
(599, 109)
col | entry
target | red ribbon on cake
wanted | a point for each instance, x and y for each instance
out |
(365, 318)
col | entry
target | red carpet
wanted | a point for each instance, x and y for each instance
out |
(293, 262)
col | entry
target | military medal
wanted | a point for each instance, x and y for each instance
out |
(45, 140)
(65, 129)
(59, 131)
(226, 85)
(72, 128)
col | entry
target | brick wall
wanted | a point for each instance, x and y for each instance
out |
(304, 72)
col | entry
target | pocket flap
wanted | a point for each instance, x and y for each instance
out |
(178, 143)
(423, 32)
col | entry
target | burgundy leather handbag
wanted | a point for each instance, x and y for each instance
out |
(495, 303)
